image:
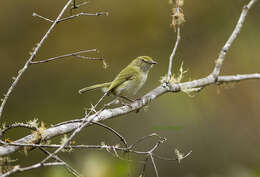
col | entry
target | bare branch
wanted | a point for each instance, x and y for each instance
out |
(75, 126)
(233, 36)
(154, 165)
(33, 54)
(178, 38)
(16, 125)
(171, 159)
(112, 113)
(72, 16)
(113, 131)
(76, 54)
(177, 20)
(144, 138)
(83, 14)
(78, 129)
(67, 166)
(19, 169)
(89, 58)
(44, 18)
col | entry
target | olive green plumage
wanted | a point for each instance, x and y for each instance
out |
(129, 80)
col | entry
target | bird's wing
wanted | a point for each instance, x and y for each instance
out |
(125, 75)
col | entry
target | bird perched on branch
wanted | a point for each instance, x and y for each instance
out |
(128, 81)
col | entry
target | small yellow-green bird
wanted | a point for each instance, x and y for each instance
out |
(129, 80)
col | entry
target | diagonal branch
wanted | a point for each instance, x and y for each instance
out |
(112, 113)
(35, 51)
(154, 165)
(67, 166)
(233, 36)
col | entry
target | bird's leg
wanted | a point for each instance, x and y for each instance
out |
(116, 101)
(126, 98)
(131, 100)
(113, 102)
(121, 98)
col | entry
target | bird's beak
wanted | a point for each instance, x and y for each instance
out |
(153, 62)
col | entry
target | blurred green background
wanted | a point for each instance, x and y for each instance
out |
(220, 125)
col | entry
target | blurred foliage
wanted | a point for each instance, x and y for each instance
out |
(96, 164)
(220, 124)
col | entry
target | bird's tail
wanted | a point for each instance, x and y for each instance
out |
(93, 87)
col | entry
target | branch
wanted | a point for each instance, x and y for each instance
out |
(67, 166)
(82, 125)
(76, 54)
(35, 51)
(176, 22)
(154, 165)
(238, 77)
(19, 169)
(113, 113)
(233, 36)
(72, 16)
(77, 125)
(113, 131)
(178, 38)
(84, 14)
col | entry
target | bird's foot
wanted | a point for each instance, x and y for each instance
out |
(127, 99)
(113, 102)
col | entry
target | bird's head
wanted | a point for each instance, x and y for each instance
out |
(145, 63)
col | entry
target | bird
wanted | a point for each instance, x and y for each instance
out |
(128, 81)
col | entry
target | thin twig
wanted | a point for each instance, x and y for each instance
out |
(144, 167)
(72, 16)
(83, 14)
(178, 38)
(113, 131)
(154, 165)
(16, 125)
(33, 54)
(66, 165)
(89, 58)
(171, 159)
(144, 138)
(63, 56)
(19, 169)
(44, 18)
